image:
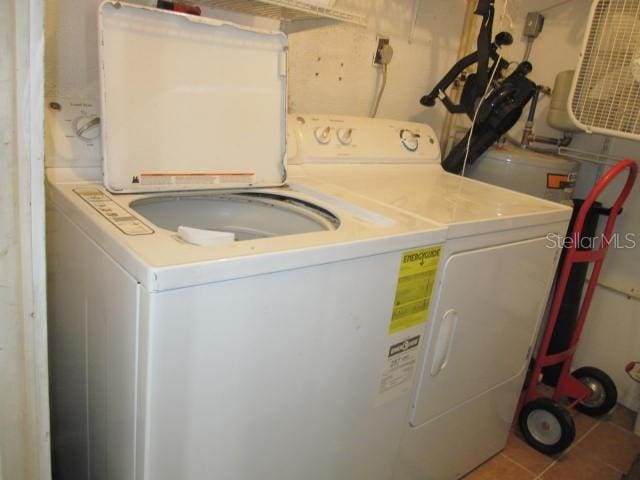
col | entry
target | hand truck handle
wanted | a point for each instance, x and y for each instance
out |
(597, 190)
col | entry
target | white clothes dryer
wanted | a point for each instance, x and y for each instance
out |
(496, 272)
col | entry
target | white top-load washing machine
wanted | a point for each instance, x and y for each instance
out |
(496, 270)
(239, 329)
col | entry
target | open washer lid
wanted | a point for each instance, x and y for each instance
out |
(189, 103)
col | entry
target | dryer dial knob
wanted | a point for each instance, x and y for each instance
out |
(409, 140)
(323, 134)
(345, 135)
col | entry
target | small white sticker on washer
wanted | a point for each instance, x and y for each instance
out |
(400, 365)
(114, 213)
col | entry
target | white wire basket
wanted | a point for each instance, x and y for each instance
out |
(287, 10)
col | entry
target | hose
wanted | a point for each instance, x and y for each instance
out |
(374, 111)
(527, 51)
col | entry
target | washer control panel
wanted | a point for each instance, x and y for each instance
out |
(73, 133)
(114, 213)
(337, 138)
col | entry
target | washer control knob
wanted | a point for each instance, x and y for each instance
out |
(323, 134)
(87, 128)
(409, 140)
(345, 135)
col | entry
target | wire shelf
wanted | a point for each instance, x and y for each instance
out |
(284, 10)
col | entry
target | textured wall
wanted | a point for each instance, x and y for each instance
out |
(346, 80)
(331, 68)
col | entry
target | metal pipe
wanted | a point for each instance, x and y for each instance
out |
(570, 153)
(532, 148)
(628, 292)
(534, 105)
(528, 137)
(414, 20)
(563, 141)
(525, 143)
(527, 51)
(583, 156)
(463, 49)
(528, 126)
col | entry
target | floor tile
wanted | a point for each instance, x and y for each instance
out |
(634, 472)
(605, 447)
(579, 466)
(611, 445)
(583, 423)
(623, 417)
(520, 452)
(500, 468)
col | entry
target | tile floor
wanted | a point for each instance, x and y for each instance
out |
(604, 449)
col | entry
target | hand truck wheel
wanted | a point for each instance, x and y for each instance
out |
(604, 394)
(547, 426)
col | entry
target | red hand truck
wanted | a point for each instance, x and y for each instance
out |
(544, 422)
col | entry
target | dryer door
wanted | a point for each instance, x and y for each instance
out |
(485, 320)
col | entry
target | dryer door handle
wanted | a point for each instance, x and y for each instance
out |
(446, 332)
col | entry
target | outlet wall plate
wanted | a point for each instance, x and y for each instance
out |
(381, 42)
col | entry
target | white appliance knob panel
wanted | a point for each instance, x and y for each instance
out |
(323, 134)
(87, 128)
(409, 140)
(345, 135)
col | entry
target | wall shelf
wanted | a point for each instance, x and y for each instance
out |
(284, 10)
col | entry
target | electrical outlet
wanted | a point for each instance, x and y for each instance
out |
(377, 57)
(533, 24)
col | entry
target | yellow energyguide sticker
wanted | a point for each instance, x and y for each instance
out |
(416, 280)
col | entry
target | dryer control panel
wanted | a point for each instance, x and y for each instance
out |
(344, 139)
